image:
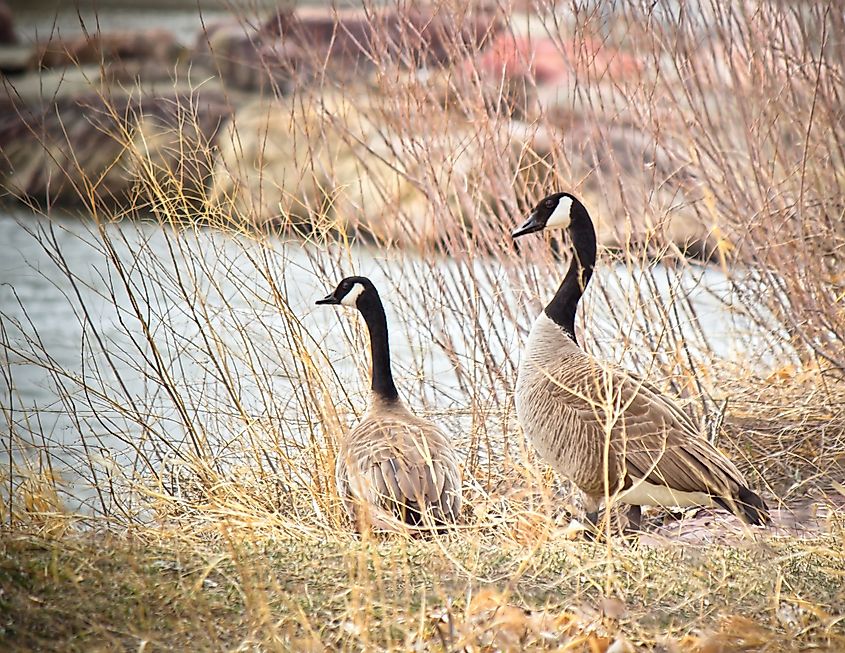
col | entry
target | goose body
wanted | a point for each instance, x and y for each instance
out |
(395, 465)
(394, 470)
(609, 432)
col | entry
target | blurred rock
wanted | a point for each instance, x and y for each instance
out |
(544, 77)
(110, 148)
(416, 36)
(247, 60)
(344, 162)
(317, 165)
(14, 59)
(8, 36)
(34, 88)
(296, 45)
(620, 165)
(148, 46)
(549, 60)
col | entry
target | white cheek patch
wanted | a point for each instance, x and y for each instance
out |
(560, 218)
(352, 296)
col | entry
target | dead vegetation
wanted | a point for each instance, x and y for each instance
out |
(117, 592)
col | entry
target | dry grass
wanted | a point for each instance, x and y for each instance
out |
(271, 593)
(208, 395)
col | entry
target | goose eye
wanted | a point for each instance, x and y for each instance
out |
(550, 204)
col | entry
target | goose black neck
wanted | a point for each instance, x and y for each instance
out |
(564, 304)
(371, 308)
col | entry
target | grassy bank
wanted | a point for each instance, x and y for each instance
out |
(152, 593)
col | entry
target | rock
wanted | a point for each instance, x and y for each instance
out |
(424, 36)
(298, 45)
(151, 45)
(8, 36)
(247, 61)
(14, 59)
(548, 61)
(545, 77)
(108, 148)
(344, 162)
(627, 148)
(33, 89)
(296, 163)
(619, 164)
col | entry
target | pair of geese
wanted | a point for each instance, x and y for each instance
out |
(614, 435)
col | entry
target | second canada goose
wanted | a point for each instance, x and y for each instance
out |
(393, 468)
(610, 433)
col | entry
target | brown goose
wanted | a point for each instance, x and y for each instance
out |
(615, 436)
(394, 470)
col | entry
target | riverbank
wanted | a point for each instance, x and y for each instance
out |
(310, 592)
(244, 560)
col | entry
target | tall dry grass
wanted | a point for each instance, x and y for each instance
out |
(210, 395)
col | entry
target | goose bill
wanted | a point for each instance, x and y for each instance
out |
(532, 224)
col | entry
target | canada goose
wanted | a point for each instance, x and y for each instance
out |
(610, 433)
(393, 467)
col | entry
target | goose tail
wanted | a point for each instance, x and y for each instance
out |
(748, 506)
(753, 507)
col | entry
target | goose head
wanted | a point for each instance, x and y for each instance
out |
(351, 291)
(552, 212)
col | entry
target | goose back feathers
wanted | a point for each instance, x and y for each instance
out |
(396, 466)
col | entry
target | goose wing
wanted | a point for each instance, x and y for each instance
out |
(663, 449)
(651, 437)
(407, 469)
(661, 444)
(665, 402)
